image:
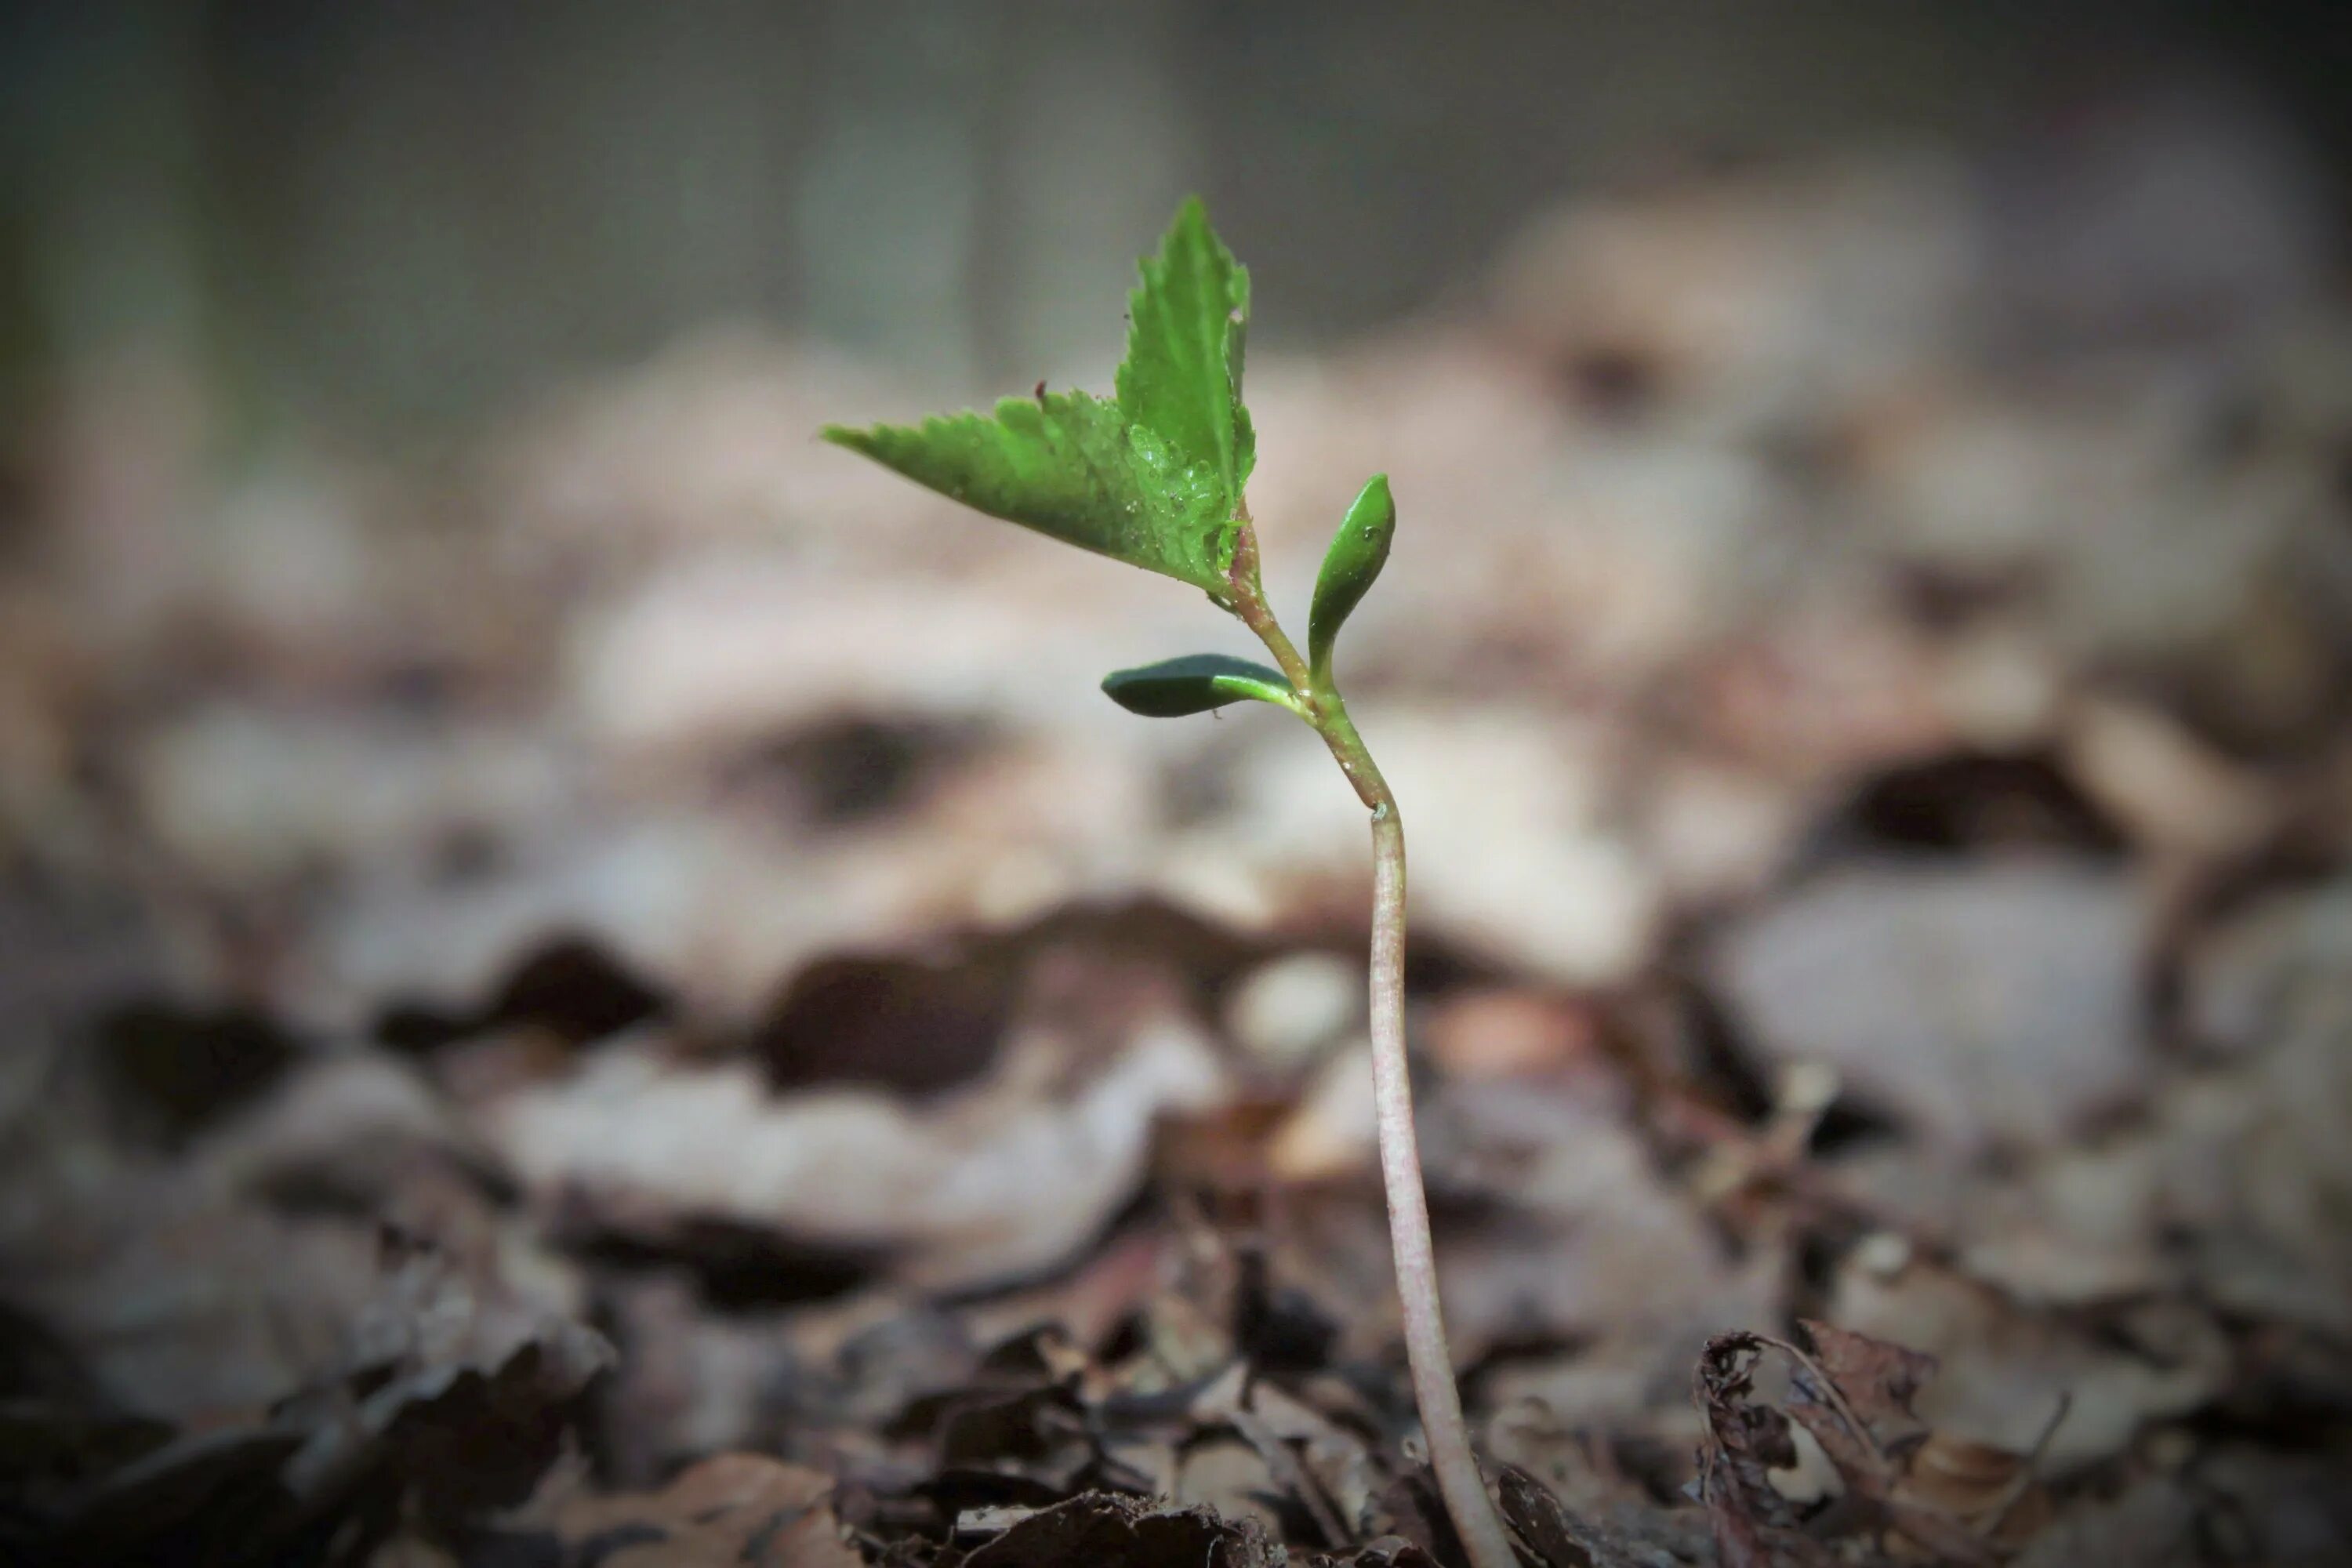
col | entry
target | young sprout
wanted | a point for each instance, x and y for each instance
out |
(1154, 477)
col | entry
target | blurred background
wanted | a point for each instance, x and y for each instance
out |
(496, 818)
(371, 213)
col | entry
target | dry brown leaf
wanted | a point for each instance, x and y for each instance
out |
(2005, 1368)
(1974, 1003)
(733, 1510)
(1008, 1176)
(1755, 1526)
(1562, 1539)
(1096, 1528)
(1905, 1490)
(1861, 1416)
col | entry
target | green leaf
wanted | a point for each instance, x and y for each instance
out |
(1187, 324)
(1350, 566)
(1066, 464)
(1195, 683)
(1153, 479)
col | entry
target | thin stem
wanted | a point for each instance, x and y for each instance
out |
(1426, 1353)
(1249, 604)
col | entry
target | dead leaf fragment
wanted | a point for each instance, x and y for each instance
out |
(733, 1510)
(1097, 1529)
(1561, 1538)
(1905, 1490)
(1002, 1178)
(1755, 1526)
(1861, 1414)
(1975, 1003)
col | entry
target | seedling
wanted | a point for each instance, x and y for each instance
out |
(1154, 477)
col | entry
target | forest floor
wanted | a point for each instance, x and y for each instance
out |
(622, 998)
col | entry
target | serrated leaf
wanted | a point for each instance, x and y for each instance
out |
(1153, 479)
(1359, 549)
(1194, 684)
(1187, 325)
(1069, 465)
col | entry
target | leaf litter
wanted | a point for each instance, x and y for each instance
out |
(644, 1042)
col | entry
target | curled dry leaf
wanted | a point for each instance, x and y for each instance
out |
(1755, 1526)
(1905, 1488)
(1858, 1405)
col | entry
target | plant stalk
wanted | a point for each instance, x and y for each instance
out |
(1427, 1353)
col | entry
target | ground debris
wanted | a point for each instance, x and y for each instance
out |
(1904, 1492)
(731, 1508)
(615, 1033)
(1098, 1527)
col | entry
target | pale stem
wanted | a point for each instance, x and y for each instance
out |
(1426, 1353)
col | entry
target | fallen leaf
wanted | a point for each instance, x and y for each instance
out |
(1755, 1526)
(1097, 1529)
(1006, 1177)
(2005, 1368)
(1974, 1003)
(1563, 1540)
(1861, 1412)
(732, 1511)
